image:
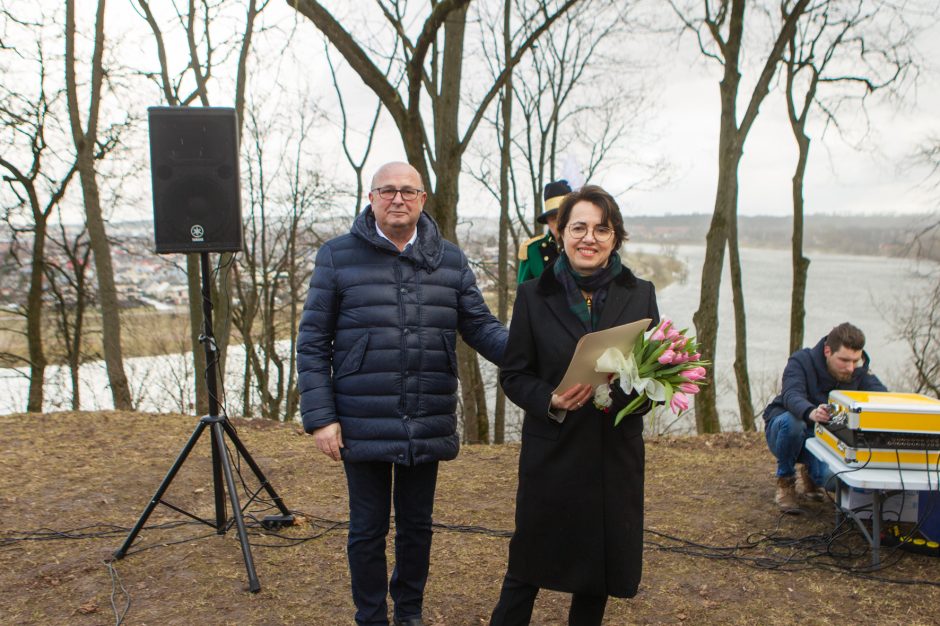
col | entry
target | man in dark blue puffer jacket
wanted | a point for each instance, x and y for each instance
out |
(377, 365)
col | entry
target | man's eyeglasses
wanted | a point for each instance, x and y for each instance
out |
(579, 230)
(408, 194)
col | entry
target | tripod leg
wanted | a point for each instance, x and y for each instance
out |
(217, 433)
(243, 451)
(119, 554)
(218, 488)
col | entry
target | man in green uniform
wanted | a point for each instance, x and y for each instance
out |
(541, 251)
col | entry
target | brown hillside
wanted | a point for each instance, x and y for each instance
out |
(91, 474)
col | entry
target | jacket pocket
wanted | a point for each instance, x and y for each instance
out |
(353, 359)
(450, 346)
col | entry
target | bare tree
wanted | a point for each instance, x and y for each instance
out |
(87, 140)
(274, 266)
(305, 193)
(925, 242)
(14, 280)
(433, 63)
(720, 36)
(72, 294)
(845, 47)
(561, 106)
(505, 156)
(928, 155)
(566, 105)
(258, 281)
(918, 326)
(36, 180)
(357, 165)
(917, 322)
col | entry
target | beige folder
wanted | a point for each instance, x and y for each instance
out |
(592, 345)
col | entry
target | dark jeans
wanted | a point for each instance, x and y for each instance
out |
(786, 437)
(517, 599)
(370, 496)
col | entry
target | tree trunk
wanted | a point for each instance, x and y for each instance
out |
(800, 262)
(107, 290)
(471, 415)
(84, 142)
(745, 404)
(706, 317)
(479, 390)
(75, 351)
(34, 313)
(726, 197)
(246, 386)
(446, 198)
(730, 149)
(502, 286)
(293, 396)
(194, 288)
(221, 289)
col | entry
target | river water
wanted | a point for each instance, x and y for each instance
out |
(867, 291)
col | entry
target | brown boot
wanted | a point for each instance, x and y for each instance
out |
(786, 495)
(805, 485)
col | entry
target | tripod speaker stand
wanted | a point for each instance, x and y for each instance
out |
(220, 428)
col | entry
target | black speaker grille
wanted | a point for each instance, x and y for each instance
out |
(194, 167)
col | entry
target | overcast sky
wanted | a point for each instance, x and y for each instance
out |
(840, 179)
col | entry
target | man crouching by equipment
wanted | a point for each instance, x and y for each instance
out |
(838, 361)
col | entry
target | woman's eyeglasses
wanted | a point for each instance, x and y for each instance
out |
(579, 230)
(407, 194)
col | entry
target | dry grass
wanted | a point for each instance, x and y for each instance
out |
(70, 470)
(144, 332)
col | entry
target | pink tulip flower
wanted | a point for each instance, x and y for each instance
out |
(693, 374)
(696, 356)
(679, 402)
(660, 333)
(688, 388)
(667, 357)
(672, 334)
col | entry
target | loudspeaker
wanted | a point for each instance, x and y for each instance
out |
(194, 169)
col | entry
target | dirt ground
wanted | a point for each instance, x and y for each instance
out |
(72, 485)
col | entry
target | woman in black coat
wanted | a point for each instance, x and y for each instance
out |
(579, 507)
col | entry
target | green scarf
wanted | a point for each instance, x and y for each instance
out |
(595, 284)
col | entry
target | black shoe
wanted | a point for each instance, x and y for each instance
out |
(412, 621)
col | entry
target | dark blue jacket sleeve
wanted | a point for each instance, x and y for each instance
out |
(796, 387)
(477, 325)
(315, 345)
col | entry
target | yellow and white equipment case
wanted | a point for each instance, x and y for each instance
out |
(883, 429)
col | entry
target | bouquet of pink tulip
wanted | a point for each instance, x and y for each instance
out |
(664, 366)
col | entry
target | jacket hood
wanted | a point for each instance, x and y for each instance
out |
(427, 252)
